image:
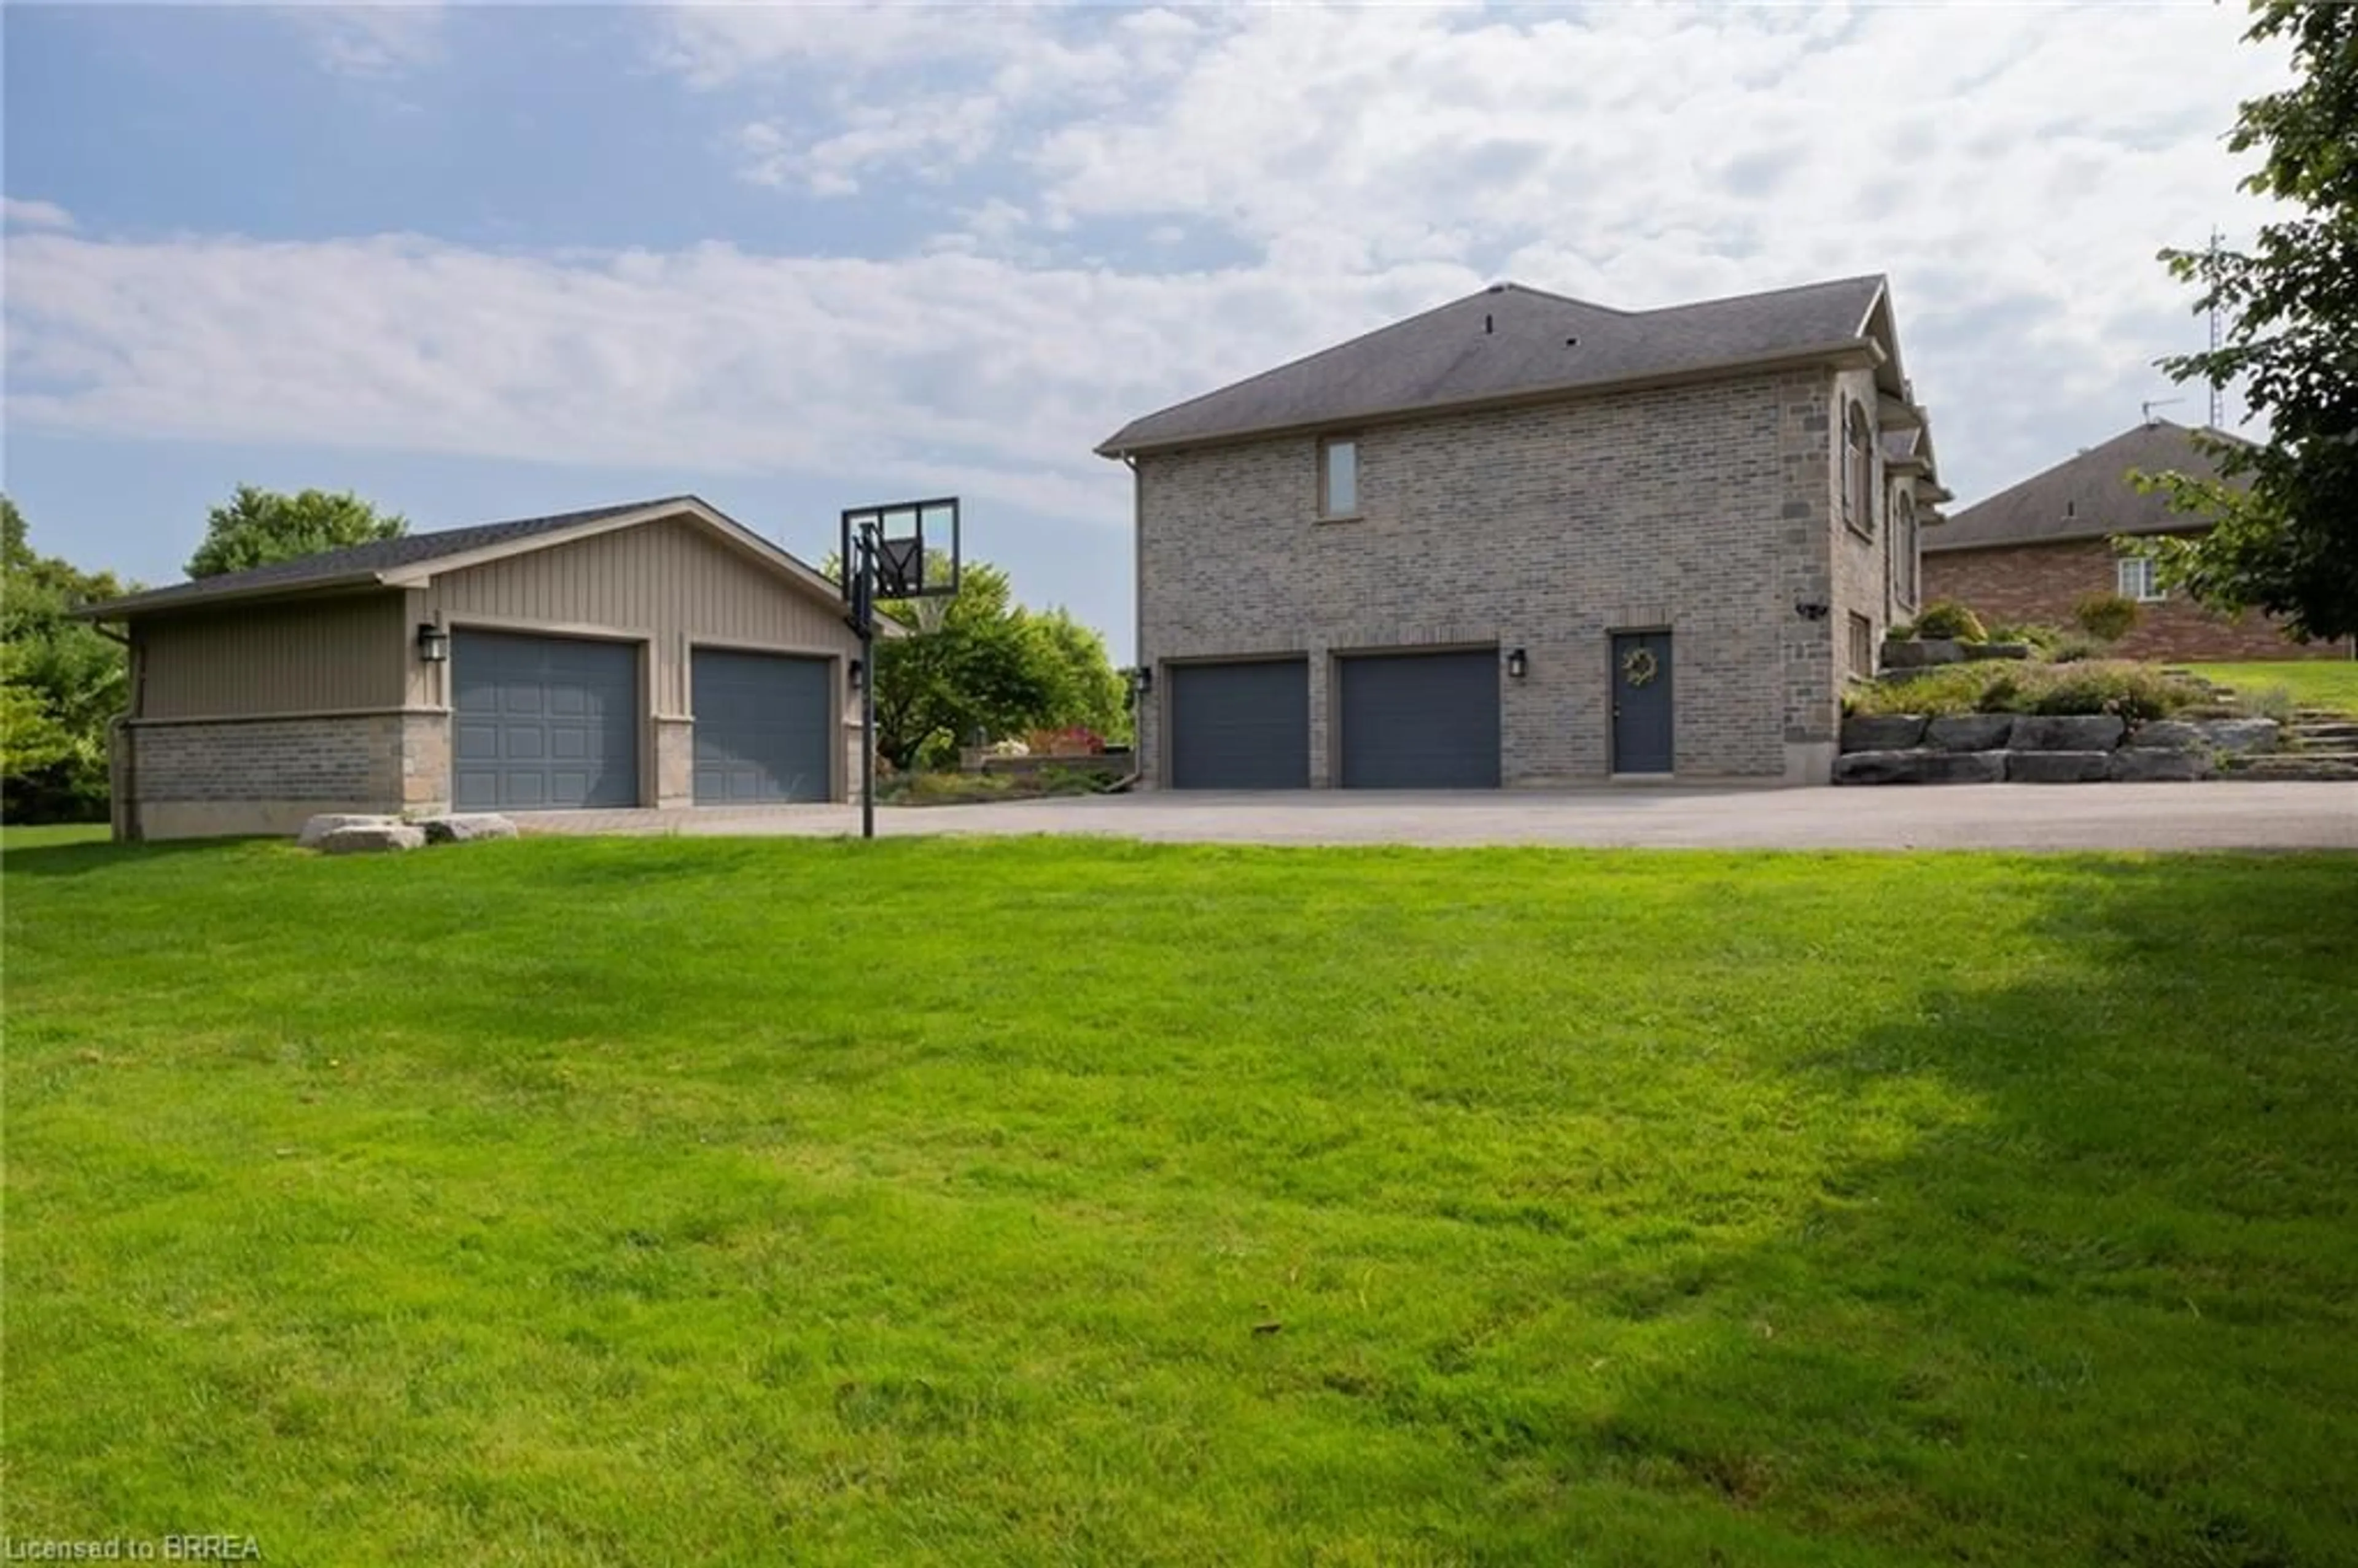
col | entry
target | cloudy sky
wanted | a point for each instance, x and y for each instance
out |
(485, 261)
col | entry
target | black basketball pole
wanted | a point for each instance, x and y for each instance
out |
(865, 602)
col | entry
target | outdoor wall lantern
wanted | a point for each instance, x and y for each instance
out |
(1518, 665)
(1141, 679)
(1813, 610)
(858, 672)
(433, 643)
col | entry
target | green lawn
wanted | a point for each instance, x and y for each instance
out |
(48, 835)
(2313, 683)
(686, 1201)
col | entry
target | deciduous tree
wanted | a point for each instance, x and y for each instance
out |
(2286, 511)
(61, 682)
(257, 528)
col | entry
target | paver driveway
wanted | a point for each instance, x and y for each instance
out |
(2254, 816)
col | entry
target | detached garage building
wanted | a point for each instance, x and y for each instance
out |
(655, 654)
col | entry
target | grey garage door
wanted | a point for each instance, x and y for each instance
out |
(763, 723)
(543, 723)
(1420, 720)
(1242, 726)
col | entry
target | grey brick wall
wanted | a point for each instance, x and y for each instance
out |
(1706, 509)
(335, 759)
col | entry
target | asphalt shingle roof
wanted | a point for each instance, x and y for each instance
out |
(1505, 341)
(2088, 496)
(360, 560)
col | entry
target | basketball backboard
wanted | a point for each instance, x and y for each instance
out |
(916, 545)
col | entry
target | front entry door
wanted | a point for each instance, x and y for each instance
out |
(1641, 702)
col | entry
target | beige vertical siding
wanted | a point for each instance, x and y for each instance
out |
(319, 657)
(668, 583)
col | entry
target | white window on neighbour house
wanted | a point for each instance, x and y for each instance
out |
(2138, 580)
(1339, 477)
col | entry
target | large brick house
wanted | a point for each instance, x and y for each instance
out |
(2029, 553)
(1522, 539)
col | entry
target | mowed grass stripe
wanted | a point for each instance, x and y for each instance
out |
(1025, 1201)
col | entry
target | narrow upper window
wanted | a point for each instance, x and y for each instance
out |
(2138, 580)
(1903, 547)
(1858, 469)
(1339, 477)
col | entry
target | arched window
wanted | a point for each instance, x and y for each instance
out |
(1858, 470)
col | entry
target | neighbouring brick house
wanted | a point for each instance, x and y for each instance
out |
(658, 654)
(2029, 553)
(1522, 539)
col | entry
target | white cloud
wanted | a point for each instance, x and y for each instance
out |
(372, 40)
(2014, 171)
(947, 369)
(22, 214)
(2014, 168)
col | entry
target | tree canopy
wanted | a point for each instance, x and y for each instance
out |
(982, 664)
(2286, 511)
(61, 682)
(256, 527)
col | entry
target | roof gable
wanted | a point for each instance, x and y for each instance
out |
(2086, 496)
(414, 559)
(1508, 342)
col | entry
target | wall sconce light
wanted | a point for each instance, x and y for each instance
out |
(433, 643)
(1141, 679)
(859, 672)
(1813, 610)
(1518, 665)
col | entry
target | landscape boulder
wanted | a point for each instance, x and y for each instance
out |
(2169, 735)
(2067, 732)
(1920, 767)
(319, 826)
(2239, 737)
(1969, 731)
(466, 826)
(1882, 732)
(2158, 765)
(1921, 653)
(2057, 767)
(368, 838)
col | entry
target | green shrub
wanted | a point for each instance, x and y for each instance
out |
(2108, 617)
(1901, 632)
(1946, 618)
(2073, 649)
(2269, 702)
(1951, 689)
(2137, 692)
(2037, 637)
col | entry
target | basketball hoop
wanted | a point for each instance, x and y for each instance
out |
(908, 551)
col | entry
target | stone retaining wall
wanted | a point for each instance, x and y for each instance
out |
(1994, 748)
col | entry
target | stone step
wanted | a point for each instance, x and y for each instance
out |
(2340, 767)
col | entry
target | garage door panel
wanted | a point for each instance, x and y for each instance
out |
(764, 727)
(550, 722)
(1419, 720)
(1240, 726)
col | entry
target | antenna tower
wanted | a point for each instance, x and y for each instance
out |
(2218, 391)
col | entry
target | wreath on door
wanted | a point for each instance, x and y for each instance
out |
(1639, 667)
